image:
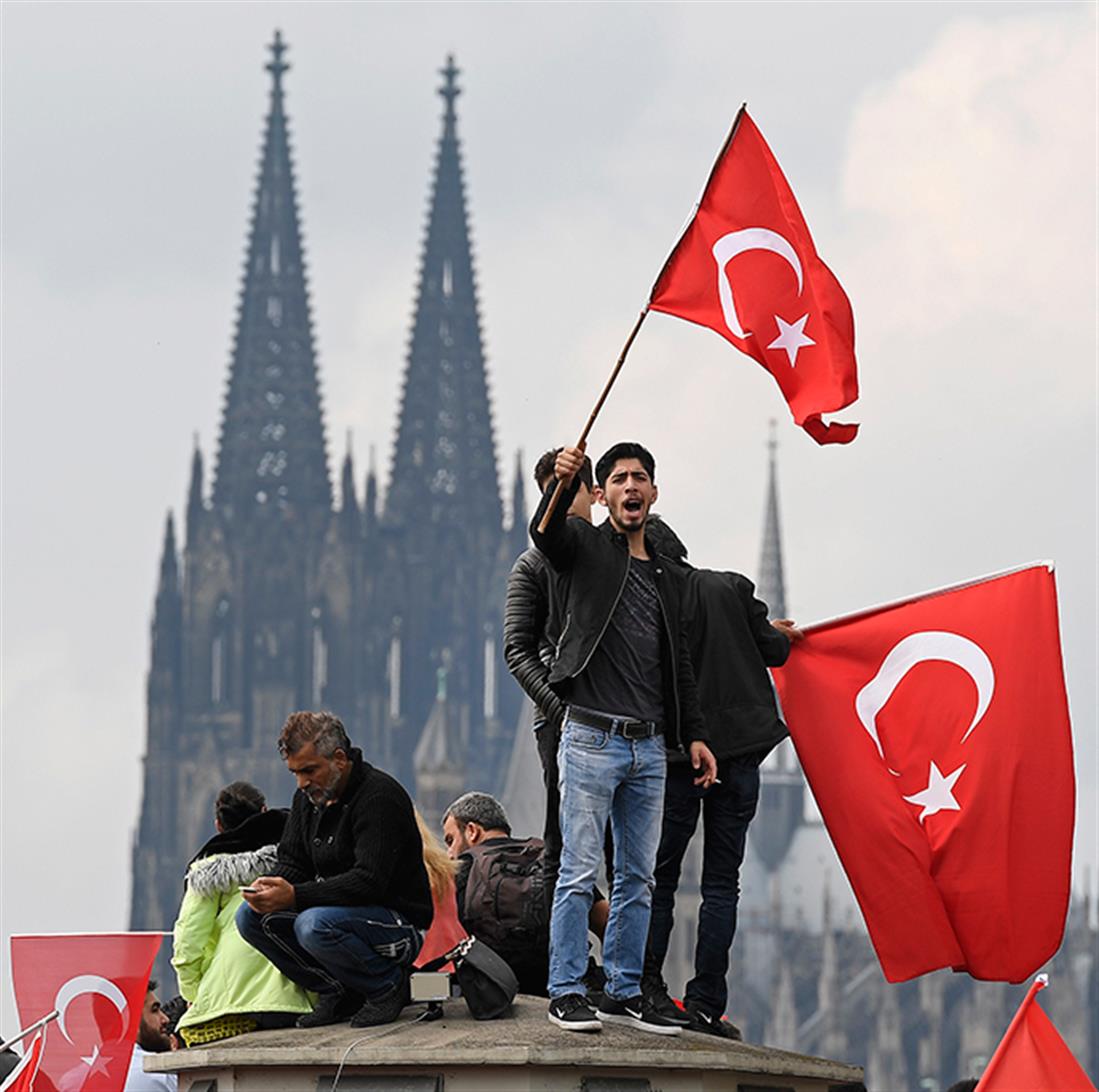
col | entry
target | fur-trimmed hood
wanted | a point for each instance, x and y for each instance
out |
(224, 872)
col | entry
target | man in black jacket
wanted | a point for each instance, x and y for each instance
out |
(732, 644)
(531, 629)
(622, 666)
(344, 911)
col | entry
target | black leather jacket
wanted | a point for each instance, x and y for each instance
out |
(530, 631)
(596, 561)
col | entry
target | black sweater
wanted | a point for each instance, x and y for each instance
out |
(362, 850)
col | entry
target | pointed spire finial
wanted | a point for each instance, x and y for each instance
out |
(276, 65)
(450, 89)
(772, 438)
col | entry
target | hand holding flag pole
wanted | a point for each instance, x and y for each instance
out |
(746, 267)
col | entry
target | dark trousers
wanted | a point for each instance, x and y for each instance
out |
(727, 809)
(364, 949)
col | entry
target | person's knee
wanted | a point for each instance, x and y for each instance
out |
(312, 930)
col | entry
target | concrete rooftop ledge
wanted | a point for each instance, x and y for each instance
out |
(524, 1051)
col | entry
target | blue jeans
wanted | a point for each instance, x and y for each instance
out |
(604, 775)
(359, 948)
(727, 809)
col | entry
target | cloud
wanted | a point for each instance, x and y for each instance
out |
(972, 175)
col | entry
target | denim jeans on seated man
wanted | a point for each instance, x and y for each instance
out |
(328, 948)
(603, 775)
(728, 808)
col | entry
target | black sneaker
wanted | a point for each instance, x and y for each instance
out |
(333, 1007)
(573, 1012)
(383, 1008)
(635, 1012)
(712, 1025)
(657, 1001)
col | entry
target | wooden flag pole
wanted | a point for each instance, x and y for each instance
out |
(582, 443)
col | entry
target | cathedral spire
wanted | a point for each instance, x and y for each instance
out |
(771, 584)
(349, 505)
(168, 612)
(370, 496)
(444, 459)
(271, 454)
(168, 584)
(195, 506)
(518, 533)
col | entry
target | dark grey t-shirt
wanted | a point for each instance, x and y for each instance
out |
(623, 676)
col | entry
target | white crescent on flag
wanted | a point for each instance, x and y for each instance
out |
(919, 648)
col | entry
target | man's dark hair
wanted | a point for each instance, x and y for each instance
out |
(480, 808)
(666, 541)
(544, 474)
(174, 1010)
(324, 730)
(151, 987)
(237, 802)
(627, 449)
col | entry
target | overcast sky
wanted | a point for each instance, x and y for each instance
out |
(944, 156)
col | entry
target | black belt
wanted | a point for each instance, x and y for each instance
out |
(626, 727)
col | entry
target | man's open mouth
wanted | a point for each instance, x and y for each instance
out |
(634, 504)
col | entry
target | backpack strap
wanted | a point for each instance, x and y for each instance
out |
(455, 956)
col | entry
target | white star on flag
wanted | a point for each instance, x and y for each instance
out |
(939, 795)
(791, 337)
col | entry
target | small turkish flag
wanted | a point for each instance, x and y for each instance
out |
(747, 268)
(935, 736)
(97, 983)
(21, 1078)
(1032, 1055)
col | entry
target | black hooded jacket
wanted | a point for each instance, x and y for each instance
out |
(732, 645)
(597, 561)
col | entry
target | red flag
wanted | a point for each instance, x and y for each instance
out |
(97, 983)
(1032, 1055)
(935, 737)
(21, 1078)
(747, 268)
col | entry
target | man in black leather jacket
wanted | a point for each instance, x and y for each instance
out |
(622, 665)
(732, 644)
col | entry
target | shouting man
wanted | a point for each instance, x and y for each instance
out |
(623, 668)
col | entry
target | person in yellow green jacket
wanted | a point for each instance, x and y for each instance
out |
(229, 986)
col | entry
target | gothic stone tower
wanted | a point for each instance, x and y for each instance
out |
(443, 514)
(259, 621)
(281, 600)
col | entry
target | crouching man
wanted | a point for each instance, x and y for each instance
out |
(344, 910)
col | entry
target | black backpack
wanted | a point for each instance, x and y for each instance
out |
(506, 902)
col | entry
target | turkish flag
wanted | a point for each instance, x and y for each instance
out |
(1032, 1055)
(935, 736)
(747, 268)
(21, 1078)
(97, 983)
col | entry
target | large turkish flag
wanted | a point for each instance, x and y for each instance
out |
(747, 268)
(935, 736)
(97, 983)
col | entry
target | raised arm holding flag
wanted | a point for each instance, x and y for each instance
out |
(746, 267)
